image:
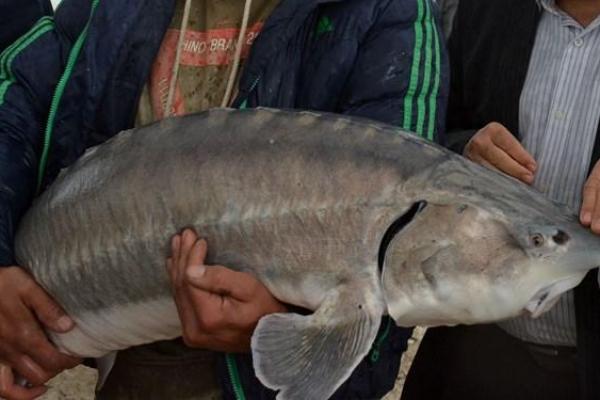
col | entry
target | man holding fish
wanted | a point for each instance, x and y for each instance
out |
(102, 66)
(525, 101)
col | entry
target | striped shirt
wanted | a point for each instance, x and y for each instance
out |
(559, 115)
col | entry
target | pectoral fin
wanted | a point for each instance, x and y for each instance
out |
(309, 357)
(105, 365)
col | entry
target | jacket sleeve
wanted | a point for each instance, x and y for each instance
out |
(18, 16)
(400, 75)
(29, 71)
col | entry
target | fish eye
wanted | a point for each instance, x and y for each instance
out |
(537, 240)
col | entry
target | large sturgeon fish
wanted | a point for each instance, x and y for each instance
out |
(314, 206)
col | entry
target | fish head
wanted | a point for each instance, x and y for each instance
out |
(474, 262)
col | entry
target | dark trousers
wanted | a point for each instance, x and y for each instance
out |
(485, 363)
(162, 371)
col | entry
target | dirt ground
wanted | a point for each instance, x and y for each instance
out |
(78, 384)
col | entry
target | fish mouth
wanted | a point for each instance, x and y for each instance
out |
(547, 297)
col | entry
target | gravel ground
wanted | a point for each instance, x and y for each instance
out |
(78, 383)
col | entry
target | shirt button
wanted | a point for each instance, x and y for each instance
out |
(578, 42)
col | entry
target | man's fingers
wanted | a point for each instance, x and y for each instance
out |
(173, 261)
(228, 341)
(595, 222)
(182, 248)
(199, 311)
(514, 149)
(188, 317)
(30, 370)
(588, 205)
(212, 314)
(25, 311)
(188, 238)
(596, 217)
(223, 281)
(42, 362)
(197, 254)
(68, 362)
(10, 390)
(218, 307)
(590, 208)
(496, 146)
(49, 358)
(195, 264)
(32, 341)
(505, 163)
(47, 310)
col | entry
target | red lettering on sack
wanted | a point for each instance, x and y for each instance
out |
(212, 48)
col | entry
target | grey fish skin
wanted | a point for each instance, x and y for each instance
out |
(303, 202)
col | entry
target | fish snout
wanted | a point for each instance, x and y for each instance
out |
(555, 237)
(568, 247)
(544, 241)
(583, 250)
(564, 256)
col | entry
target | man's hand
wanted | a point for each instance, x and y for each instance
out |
(590, 208)
(10, 389)
(24, 348)
(219, 308)
(494, 146)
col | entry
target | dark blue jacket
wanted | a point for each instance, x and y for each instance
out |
(74, 81)
(17, 16)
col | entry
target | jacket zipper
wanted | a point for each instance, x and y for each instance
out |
(254, 84)
(58, 93)
(244, 103)
(376, 349)
(234, 377)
